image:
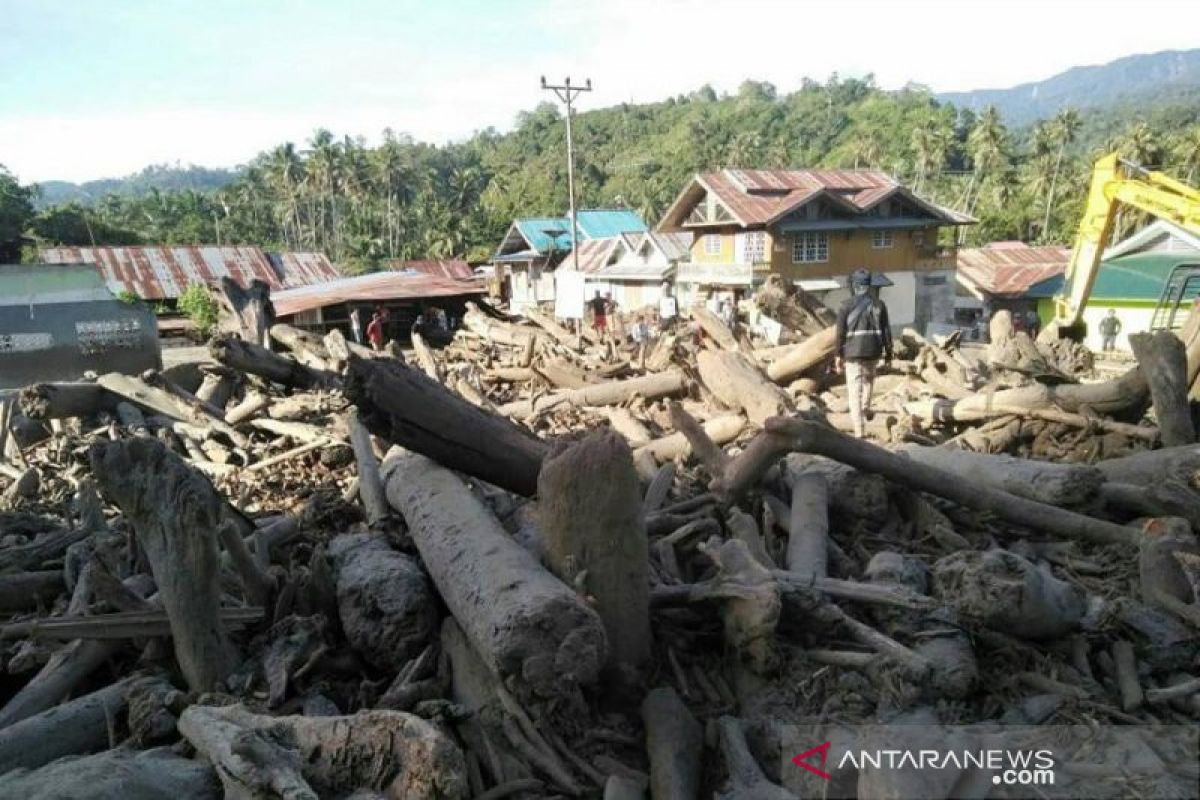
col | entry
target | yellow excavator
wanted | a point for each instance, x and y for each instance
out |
(1117, 183)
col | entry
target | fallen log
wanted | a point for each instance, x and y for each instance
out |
(674, 742)
(804, 356)
(307, 348)
(1071, 485)
(651, 387)
(65, 400)
(595, 526)
(1163, 360)
(250, 310)
(782, 436)
(944, 411)
(808, 526)
(370, 485)
(527, 626)
(251, 358)
(119, 625)
(550, 326)
(47, 546)
(141, 393)
(175, 513)
(425, 357)
(26, 590)
(738, 383)
(124, 773)
(390, 753)
(1170, 464)
(402, 406)
(714, 327)
(497, 331)
(73, 728)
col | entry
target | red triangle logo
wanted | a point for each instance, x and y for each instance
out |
(802, 759)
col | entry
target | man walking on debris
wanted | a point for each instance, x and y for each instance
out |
(1110, 326)
(863, 337)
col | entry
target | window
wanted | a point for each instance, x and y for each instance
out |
(810, 248)
(712, 244)
(881, 240)
(754, 247)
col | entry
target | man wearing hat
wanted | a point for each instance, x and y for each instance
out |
(863, 337)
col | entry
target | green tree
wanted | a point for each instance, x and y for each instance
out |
(200, 307)
(1065, 128)
(16, 209)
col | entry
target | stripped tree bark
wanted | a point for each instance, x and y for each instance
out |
(651, 387)
(738, 383)
(595, 527)
(176, 513)
(528, 626)
(804, 356)
(257, 360)
(1163, 360)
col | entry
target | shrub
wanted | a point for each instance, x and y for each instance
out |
(201, 308)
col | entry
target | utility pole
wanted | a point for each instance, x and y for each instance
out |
(567, 93)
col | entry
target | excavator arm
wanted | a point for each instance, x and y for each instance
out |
(1117, 183)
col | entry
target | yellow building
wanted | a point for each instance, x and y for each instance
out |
(813, 228)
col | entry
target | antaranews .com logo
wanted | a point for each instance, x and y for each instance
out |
(992, 761)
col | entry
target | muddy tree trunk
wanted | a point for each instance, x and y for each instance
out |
(370, 485)
(1070, 485)
(307, 348)
(651, 387)
(528, 626)
(804, 356)
(402, 406)
(176, 514)
(257, 360)
(674, 742)
(738, 383)
(65, 400)
(1177, 464)
(720, 430)
(808, 528)
(596, 525)
(251, 311)
(1163, 360)
(714, 326)
(73, 728)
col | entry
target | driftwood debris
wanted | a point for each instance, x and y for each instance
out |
(565, 520)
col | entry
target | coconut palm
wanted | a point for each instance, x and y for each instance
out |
(1065, 128)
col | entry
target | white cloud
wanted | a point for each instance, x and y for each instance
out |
(633, 50)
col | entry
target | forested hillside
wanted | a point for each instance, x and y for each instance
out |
(162, 177)
(410, 199)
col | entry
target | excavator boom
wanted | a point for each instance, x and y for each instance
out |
(1117, 183)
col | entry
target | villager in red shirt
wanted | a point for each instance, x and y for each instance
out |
(375, 332)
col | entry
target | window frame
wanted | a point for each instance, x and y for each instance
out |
(819, 247)
(754, 255)
(883, 239)
(709, 240)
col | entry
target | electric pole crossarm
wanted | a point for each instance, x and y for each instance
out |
(566, 93)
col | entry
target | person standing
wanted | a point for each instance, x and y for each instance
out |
(356, 325)
(375, 331)
(666, 305)
(863, 337)
(1110, 326)
(599, 308)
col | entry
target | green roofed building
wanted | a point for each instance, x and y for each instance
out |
(1131, 280)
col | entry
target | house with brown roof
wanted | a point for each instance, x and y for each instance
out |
(813, 228)
(999, 275)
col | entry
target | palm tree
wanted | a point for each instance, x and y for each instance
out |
(1187, 150)
(988, 146)
(1065, 128)
(866, 149)
(286, 171)
(1140, 145)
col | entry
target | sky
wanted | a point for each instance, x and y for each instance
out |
(102, 88)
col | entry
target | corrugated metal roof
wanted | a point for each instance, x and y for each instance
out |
(546, 233)
(761, 197)
(675, 246)
(1009, 269)
(158, 273)
(453, 268)
(601, 223)
(594, 254)
(303, 269)
(375, 287)
(163, 273)
(1138, 277)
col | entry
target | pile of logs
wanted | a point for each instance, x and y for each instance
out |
(541, 563)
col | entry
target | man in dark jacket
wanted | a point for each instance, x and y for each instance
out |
(863, 337)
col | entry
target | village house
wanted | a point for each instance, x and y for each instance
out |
(533, 248)
(1000, 276)
(631, 268)
(1132, 279)
(813, 228)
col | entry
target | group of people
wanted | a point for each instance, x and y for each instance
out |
(429, 322)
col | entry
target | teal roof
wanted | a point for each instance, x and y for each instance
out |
(554, 233)
(546, 233)
(603, 223)
(1138, 277)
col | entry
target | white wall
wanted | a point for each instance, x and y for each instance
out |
(1133, 320)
